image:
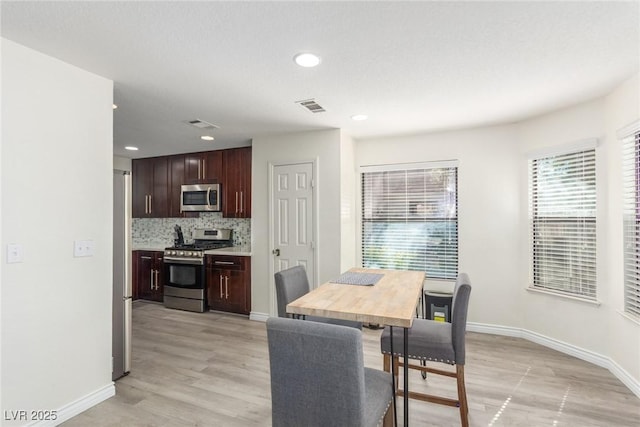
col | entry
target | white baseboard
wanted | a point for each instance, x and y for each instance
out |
(563, 347)
(72, 409)
(259, 317)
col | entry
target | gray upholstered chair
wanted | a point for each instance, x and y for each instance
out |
(291, 284)
(318, 377)
(436, 341)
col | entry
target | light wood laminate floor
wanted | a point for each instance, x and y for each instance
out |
(212, 369)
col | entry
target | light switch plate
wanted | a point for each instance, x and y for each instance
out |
(83, 248)
(14, 253)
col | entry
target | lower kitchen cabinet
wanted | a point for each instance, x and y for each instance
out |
(229, 283)
(148, 275)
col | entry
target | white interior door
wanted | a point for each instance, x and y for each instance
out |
(293, 214)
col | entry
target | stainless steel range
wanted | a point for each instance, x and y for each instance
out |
(184, 270)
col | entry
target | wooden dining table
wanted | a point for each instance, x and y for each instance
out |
(391, 301)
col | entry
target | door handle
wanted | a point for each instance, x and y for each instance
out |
(276, 252)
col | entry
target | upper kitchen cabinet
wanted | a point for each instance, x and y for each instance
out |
(177, 177)
(236, 184)
(203, 167)
(150, 187)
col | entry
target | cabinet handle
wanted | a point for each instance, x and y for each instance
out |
(223, 262)
(149, 203)
(145, 257)
(236, 202)
(204, 169)
(146, 203)
(241, 201)
(199, 171)
(226, 285)
(157, 280)
(221, 294)
(151, 281)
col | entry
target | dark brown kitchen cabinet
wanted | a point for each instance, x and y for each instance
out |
(229, 283)
(203, 167)
(236, 185)
(148, 275)
(177, 177)
(150, 178)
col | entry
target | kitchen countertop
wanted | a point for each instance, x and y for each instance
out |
(234, 250)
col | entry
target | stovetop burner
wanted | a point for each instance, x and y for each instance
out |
(203, 246)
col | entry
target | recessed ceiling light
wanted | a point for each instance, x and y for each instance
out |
(131, 148)
(206, 137)
(306, 59)
(359, 117)
(115, 106)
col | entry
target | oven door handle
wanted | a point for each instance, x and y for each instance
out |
(192, 261)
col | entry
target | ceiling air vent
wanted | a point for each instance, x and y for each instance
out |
(311, 105)
(201, 124)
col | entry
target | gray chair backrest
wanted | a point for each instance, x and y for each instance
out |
(291, 284)
(459, 308)
(317, 374)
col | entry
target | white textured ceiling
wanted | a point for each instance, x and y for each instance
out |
(412, 67)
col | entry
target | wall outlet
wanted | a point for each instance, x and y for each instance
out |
(14, 253)
(83, 248)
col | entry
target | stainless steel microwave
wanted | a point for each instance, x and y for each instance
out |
(200, 198)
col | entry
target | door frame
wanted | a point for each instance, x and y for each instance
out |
(314, 226)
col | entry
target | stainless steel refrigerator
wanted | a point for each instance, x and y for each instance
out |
(121, 346)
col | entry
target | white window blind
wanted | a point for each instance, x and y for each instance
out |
(631, 215)
(562, 207)
(410, 220)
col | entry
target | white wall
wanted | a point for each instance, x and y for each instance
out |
(349, 180)
(121, 163)
(622, 107)
(323, 146)
(488, 198)
(56, 309)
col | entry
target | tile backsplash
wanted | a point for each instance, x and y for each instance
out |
(159, 231)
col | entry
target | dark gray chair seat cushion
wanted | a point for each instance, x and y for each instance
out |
(428, 340)
(437, 341)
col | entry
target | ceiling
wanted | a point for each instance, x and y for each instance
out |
(412, 67)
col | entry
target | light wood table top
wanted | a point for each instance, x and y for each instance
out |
(391, 301)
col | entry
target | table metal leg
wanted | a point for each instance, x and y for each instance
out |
(393, 377)
(406, 377)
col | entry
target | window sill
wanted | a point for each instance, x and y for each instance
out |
(561, 295)
(629, 317)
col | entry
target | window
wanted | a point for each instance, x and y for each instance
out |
(631, 217)
(410, 218)
(562, 207)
